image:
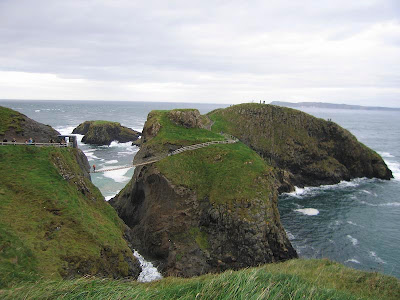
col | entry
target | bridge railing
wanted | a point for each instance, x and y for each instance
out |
(38, 144)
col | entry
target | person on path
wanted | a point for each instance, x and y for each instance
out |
(94, 168)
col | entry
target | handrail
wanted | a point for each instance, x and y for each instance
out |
(37, 144)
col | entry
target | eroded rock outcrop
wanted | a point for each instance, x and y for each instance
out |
(308, 151)
(201, 211)
(104, 132)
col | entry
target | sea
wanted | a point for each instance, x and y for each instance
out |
(356, 223)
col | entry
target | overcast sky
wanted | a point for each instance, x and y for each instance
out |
(337, 51)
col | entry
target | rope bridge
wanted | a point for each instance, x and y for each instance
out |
(229, 140)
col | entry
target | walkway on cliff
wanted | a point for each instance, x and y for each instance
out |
(229, 140)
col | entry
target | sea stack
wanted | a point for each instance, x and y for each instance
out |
(306, 150)
(201, 211)
(104, 132)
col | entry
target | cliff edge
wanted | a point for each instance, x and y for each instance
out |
(13, 124)
(201, 211)
(308, 151)
(54, 223)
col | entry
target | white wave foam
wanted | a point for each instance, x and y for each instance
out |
(390, 204)
(110, 162)
(90, 155)
(382, 204)
(115, 144)
(354, 224)
(308, 211)
(354, 241)
(376, 257)
(353, 260)
(117, 175)
(107, 198)
(149, 272)
(290, 235)
(385, 154)
(300, 192)
(37, 110)
(64, 129)
(367, 192)
(367, 203)
(395, 168)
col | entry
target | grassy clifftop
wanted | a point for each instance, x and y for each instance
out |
(53, 222)
(14, 125)
(205, 210)
(314, 151)
(221, 172)
(295, 279)
(10, 119)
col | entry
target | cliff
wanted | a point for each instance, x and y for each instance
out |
(104, 132)
(54, 223)
(13, 124)
(201, 211)
(307, 151)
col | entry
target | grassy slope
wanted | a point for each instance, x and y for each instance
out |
(9, 118)
(44, 219)
(284, 125)
(223, 172)
(295, 279)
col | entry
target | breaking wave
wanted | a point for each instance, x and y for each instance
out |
(149, 272)
(308, 211)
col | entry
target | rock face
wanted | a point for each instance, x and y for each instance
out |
(307, 150)
(13, 124)
(202, 211)
(104, 132)
(189, 118)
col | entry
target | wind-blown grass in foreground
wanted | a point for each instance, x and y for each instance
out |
(295, 279)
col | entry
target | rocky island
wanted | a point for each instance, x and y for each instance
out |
(104, 132)
(201, 211)
(305, 150)
(215, 208)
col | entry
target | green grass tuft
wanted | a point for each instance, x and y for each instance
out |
(295, 279)
(47, 225)
(10, 119)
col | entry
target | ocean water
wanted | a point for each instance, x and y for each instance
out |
(356, 223)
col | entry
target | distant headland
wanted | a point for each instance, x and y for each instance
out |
(332, 105)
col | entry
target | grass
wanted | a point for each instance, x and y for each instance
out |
(102, 122)
(47, 225)
(295, 279)
(171, 133)
(10, 118)
(224, 173)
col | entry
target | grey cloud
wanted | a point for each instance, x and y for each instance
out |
(178, 41)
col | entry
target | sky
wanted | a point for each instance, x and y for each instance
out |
(201, 51)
